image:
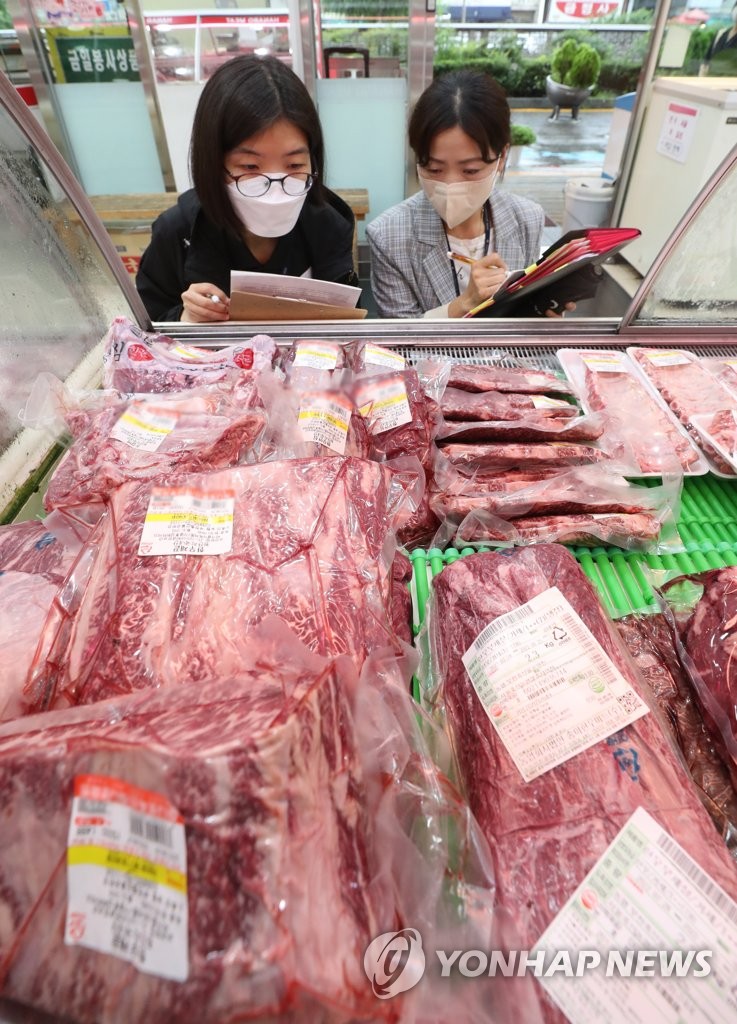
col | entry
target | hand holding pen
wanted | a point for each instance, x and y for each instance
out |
(486, 276)
(205, 303)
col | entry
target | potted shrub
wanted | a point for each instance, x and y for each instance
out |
(574, 70)
(521, 135)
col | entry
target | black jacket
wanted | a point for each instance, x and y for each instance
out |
(187, 248)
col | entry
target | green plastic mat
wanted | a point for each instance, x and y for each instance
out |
(707, 527)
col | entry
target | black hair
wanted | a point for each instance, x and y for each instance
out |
(470, 100)
(245, 96)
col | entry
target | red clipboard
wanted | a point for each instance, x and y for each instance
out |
(568, 271)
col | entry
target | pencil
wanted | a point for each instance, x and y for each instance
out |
(461, 258)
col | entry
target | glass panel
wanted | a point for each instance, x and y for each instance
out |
(189, 44)
(59, 295)
(697, 283)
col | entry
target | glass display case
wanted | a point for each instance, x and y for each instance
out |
(63, 283)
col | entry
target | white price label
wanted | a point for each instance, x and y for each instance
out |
(543, 402)
(144, 426)
(604, 364)
(385, 405)
(324, 419)
(127, 876)
(376, 355)
(668, 358)
(318, 354)
(185, 522)
(648, 905)
(548, 687)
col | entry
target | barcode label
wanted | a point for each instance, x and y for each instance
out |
(548, 686)
(127, 876)
(152, 830)
(716, 896)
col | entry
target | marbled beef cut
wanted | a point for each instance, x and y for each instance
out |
(710, 641)
(457, 404)
(650, 642)
(264, 770)
(210, 429)
(312, 543)
(519, 379)
(547, 834)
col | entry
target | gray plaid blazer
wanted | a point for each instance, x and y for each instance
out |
(410, 271)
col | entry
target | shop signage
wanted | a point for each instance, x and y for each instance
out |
(101, 54)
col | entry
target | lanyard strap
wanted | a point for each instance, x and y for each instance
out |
(487, 240)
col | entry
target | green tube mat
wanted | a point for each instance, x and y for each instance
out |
(707, 526)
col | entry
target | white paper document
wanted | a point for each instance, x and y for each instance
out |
(282, 286)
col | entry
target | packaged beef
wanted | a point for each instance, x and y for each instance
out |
(137, 362)
(640, 433)
(547, 490)
(535, 425)
(651, 643)
(534, 607)
(173, 578)
(492, 457)
(230, 850)
(708, 642)
(517, 379)
(118, 439)
(689, 389)
(634, 532)
(35, 559)
(402, 420)
(457, 404)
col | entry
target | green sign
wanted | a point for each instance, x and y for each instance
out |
(92, 56)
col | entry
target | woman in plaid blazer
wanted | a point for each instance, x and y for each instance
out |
(459, 131)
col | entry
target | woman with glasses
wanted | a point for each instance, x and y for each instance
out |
(459, 131)
(258, 202)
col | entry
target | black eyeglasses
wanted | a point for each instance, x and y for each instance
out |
(255, 185)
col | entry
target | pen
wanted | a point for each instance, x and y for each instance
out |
(461, 258)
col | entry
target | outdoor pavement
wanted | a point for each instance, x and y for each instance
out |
(564, 149)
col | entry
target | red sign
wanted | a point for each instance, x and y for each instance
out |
(573, 10)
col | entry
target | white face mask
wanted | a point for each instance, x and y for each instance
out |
(456, 201)
(268, 216)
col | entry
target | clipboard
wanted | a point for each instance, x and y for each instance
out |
(568, 271)
(245, 306)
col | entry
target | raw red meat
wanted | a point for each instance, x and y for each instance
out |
(636, 427)
(214, 428)
(689, 389)
(580, 489)
(25, 600)
(628, 531)
(520, 379)
(723, 429)
(649, 641)
(547, 834)
(43, 547)
(414, 438)
(401, 597)
(532, 428)
(492, 457)
(312, 543)
(710, 641)
(264, 770)
(496, 405)
(136, 362)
